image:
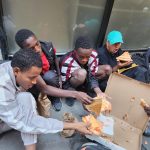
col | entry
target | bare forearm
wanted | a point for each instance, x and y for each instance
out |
(53, 91)
(69, 125)
(97, 90)
(30, 147)
(79, 126)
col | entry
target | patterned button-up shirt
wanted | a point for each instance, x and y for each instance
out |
(69, 63)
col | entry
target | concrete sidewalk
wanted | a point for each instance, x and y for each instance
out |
(12, 139)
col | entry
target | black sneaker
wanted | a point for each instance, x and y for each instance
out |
(70, 101)
(56, 103)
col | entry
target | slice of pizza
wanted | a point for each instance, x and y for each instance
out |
(105, 104)
(124, 57)
(95, 125)
(99, 104)
(94, 107)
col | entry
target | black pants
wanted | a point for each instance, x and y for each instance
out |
(51, 78)
(136, 73)
(85, 87)
(103, 83)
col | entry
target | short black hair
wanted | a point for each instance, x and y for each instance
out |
(83, 42)
(22, 35)
(25, 59)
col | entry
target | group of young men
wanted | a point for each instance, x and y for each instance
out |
(80, 75)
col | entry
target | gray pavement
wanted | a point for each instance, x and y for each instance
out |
(12, 140)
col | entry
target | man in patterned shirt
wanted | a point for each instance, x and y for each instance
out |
(78, 69)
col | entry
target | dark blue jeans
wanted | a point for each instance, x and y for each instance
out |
(51, 78)
(136, 73)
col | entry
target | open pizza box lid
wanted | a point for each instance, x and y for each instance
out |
(126, 94)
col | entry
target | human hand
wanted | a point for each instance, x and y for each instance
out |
(83, 128)
(103, 95)
(124, 64)
(83, 97)
(100, 75)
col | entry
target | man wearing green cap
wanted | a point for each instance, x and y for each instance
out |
(107, 56)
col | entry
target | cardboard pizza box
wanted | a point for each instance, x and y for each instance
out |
(130, 118)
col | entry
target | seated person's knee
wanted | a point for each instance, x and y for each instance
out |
(78, 77)
(103, 71)
(51, 78)
(81, 75)
(108, 69)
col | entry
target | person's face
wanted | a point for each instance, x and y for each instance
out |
(33, 43)
(83, 55)
(26, 79)
(113, 48)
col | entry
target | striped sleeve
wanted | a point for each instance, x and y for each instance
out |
(68, 67)
(93, 62)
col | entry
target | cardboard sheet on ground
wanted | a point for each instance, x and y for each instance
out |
(130, 118)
